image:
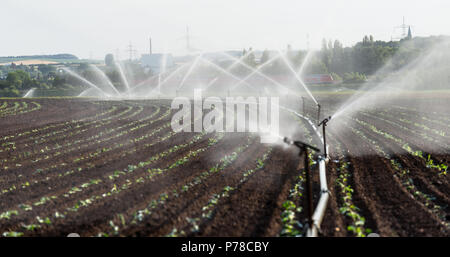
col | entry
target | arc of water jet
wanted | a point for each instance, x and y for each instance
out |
(211, 83)
(263, 75)
(106, 78)
(168, 77)
(260, 73)
(142, 83)
(189, 71)
(163, 64)
(151, 92)
(85, 92)
(29, 93)
(228, 69)
(297, 77)
(365, 99)
(258, 68)
(86, 81)
(228, 73)
(236, 62)
(122, 75)
(173, 73)
(304, 62)
(154, 76)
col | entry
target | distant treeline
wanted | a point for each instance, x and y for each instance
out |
(367, 60)
(28, 57)
(358, 62)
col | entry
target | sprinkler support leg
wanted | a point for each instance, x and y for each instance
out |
(324, 124)
(324, 142)
(308, 187)
(303, 147)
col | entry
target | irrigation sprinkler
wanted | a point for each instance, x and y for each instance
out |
(304, 150)
(324, 124)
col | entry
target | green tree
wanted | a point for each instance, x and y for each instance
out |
(250, 58)
(13, 79)
(19, 79)
(109, 60)
(265, 57)
(59, 81)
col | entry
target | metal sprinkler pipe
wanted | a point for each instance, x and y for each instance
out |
(304, 148)
(324, 124)
(321, 207)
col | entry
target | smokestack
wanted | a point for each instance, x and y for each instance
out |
(150, 46)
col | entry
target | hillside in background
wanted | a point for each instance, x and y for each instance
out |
(52, 57)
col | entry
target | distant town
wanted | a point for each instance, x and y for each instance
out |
(332, 64)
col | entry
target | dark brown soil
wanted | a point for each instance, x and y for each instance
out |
(35, 184)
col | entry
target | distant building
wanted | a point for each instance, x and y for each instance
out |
(155, 62)
(409, 36)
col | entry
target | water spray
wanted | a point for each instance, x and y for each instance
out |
(324, 124)
(318, 112)
(303, 105)
(304, 149)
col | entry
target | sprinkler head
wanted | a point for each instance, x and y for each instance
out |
(300, 144)
(325, 121)
(287, 141)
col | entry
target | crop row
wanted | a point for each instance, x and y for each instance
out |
(97, 154)
(70, 131)
(56, 125)
(24, 108)
(91, 140)
(39, 138)
(16, 107)
(441, 167)
(111, 177)
(3, 106)
(347, 207)
(419, 112)
(420, 133)
(412, 119)
(404, 180)
(291, 226)
(208, 210)
(139, 215)
(91, 166)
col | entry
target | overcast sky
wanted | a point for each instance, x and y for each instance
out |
(92, 28)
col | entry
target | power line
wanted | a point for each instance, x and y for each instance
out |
(131, 51)
(404, 31)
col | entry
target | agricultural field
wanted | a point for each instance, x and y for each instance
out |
(116, 168)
